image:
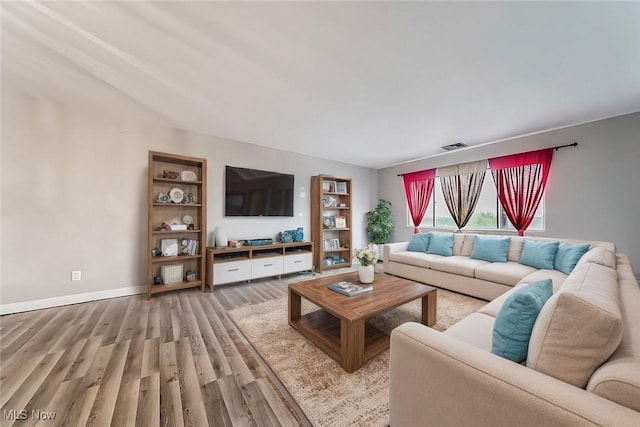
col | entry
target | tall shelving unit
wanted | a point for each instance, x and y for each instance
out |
(331, 221)
(177, 198)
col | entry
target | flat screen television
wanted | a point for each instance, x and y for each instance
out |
(252, 192)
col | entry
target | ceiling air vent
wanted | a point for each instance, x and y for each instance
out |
(455, 146)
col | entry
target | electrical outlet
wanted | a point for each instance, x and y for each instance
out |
(76, 275)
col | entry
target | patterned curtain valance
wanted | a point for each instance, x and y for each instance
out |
(418, 187)
(461, 186)
(520, 180)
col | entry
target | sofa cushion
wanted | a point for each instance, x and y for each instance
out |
(494, 306)
(538, 254)
(512, 329)
(460, 265)
(579, 327)
(515, 248)
(599, 255)
(568, 256)
(419, 259)
(508, 273)
(441, 244)
(458, 243)
(475, 329)
(419, 242)
(490, 248)
(557, 277)
(467, 245)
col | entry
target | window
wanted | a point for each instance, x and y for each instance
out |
(485, 215)
(536, 224)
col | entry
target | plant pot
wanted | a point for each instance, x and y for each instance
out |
(366, 274)
(379, 252)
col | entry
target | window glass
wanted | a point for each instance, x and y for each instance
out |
(427, 221)
(536, 224)
(485, 216)
(443, 216)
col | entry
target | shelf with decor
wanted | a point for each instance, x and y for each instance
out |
(331, 221)
(176, 222)
(159, 233)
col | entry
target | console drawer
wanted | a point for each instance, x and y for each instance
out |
(232, 271)
(266, 266)
(298, 262)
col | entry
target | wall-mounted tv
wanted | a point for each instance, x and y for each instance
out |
(252, 192)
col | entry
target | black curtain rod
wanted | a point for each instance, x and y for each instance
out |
(575, 144)
(557, 147)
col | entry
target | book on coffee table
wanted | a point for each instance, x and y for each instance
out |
(350, 288)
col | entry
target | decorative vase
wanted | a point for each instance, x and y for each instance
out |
(221, 238)
(366, 273)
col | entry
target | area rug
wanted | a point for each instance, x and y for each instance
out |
(327, 394)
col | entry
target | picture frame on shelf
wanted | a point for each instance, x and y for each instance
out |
(329, 221)
(340, 221)
(326, 186)
(169, 247)
(329, 202)
(335, 244)
(332, 186)
(331, 244)
(341, 187)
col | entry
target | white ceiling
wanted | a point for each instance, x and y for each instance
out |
(368, 83)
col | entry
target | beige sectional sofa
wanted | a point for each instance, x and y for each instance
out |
(583, 360)
(460, 273)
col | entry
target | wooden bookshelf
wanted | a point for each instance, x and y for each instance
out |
(191, 181)
(331, 221)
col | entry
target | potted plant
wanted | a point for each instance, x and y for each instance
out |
(380, 224)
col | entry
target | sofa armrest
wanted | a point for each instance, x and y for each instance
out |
(439, 380)
(389, 248)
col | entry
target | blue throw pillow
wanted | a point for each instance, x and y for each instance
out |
(539, 254)
(515, 320)
(568, 256)
(419, 242)
(441, 244)
(492, 249)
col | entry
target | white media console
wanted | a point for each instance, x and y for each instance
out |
(230, 265)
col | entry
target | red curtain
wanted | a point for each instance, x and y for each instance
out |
(520, 180)
(418, 187)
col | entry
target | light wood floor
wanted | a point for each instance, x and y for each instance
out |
(174, 360)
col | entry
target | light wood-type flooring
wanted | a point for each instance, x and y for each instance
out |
(173, 360)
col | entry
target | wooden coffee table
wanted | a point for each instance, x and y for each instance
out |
(340, 329)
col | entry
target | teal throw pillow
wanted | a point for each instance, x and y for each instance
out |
(419, 242)
(568, 256)
(441, 244)
(539, 254)
(491, 249)
(515, 320)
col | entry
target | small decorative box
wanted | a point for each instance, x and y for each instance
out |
(171, 274)
(178, 227)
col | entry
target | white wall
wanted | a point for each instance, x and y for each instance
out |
(593, 191)
(73, 197)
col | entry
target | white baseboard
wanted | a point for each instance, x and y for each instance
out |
(39, 304)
